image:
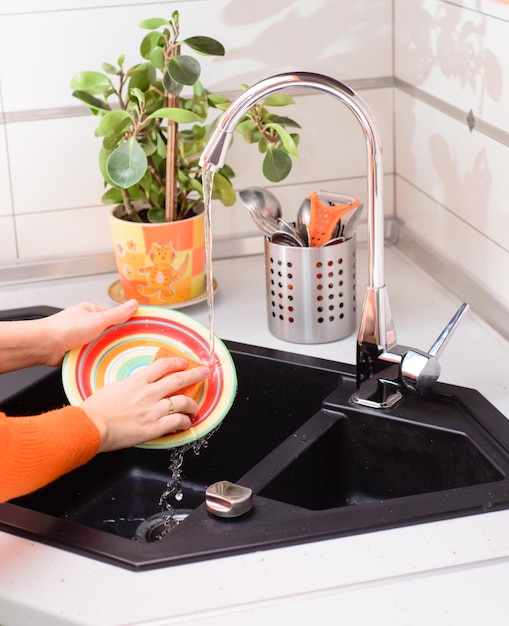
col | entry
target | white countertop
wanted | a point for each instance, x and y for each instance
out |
(449, 571)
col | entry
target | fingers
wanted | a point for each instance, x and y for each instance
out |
(173, 423)
(118, 314)
(156, 370)
(179, 404)
(167, 384)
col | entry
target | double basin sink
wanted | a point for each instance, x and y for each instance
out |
(319, 467)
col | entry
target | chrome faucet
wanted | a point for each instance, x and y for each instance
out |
(383, 367)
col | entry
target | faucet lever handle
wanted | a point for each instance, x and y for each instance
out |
(438, 347)
(420, 370)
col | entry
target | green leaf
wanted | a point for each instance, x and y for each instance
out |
(93, 83)
(112, 196)
(113, 123)
(91, 101)
(103, 158)
(276, 165)
(156, 57)
(181, 116)
(154, 22)
(286, 139)
(153, 101)
(195, 185)
(184, 69)
(278, 100)
(205, 45)
(227, 171)
(161, 146)
(285, 121)
(171, 86)
(149, 42)
(217, 100)
(156, 216)
(149, 147)
(138, 94)
(246, 127)
(263, 145)
(224, 190)
(127, 164)
(142, 77)
(136, 193)
(109, 68)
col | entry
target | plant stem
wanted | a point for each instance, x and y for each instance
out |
(130, 210)
(171, 154)
(171, 164)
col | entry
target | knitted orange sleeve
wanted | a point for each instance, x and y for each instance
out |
(36, 450)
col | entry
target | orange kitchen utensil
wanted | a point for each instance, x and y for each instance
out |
(325, 215)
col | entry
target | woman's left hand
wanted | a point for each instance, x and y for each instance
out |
(79, 324)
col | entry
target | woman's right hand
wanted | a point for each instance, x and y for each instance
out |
(146, 405)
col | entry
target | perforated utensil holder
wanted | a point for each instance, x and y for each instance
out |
(310, 291)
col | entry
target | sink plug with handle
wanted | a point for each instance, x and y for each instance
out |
(383, 367)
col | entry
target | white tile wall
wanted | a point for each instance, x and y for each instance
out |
(54, 164)
(7, 240)
(455, 241)
(68, 233)
(451, 183)
(5, 189)
(494, 8)
(458, 55)
(52, 153)
(464, 172)
(269, 38)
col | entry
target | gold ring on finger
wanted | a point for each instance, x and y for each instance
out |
(171, 408)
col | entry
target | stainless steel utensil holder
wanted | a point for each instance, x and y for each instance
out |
(311, 291)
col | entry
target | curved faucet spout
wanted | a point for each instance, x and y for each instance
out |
(214, 154)
(382, 366)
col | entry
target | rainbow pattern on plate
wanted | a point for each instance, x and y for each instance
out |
(122, 350)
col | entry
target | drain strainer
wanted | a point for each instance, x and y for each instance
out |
(159, 525)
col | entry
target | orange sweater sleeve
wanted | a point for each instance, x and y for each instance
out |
(34, 451)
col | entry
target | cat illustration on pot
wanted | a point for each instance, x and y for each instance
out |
(161, 274)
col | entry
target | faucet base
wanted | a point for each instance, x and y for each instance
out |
(390, 401)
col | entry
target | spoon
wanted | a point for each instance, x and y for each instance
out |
(333, 242)
(286, 238)
(302, 220)
(289, 228)
(264, 208)
(350, 221)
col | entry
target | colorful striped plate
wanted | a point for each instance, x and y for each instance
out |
(121, 350)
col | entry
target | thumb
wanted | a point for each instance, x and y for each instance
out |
(120, 313)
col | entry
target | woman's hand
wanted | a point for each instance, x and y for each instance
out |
(45, 341)
(146, 405)
(79, 324)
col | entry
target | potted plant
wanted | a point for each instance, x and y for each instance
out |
(154, 119)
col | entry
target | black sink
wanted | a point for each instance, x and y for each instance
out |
(319, 468)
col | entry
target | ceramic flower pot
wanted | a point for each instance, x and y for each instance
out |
(160, 264)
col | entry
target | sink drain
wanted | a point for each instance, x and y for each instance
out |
(159, 525)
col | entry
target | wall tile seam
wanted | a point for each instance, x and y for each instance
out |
(467, 118)
(452, 276)
(15, 10)
(322, 183)
(448, 210)
(38, 115)
(478, 11)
